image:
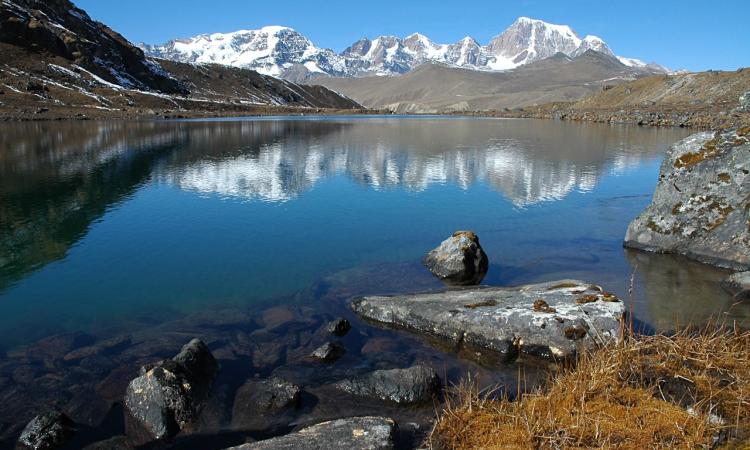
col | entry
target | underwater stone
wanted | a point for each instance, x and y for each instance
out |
(417, 384)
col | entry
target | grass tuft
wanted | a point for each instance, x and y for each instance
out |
(688, 390)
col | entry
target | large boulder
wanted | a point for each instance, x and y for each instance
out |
(745, 101)
(355, 433)
(52, 429)
(458, 260)
(551, 319)
(701, 203)
(417, 384)
(169, 395)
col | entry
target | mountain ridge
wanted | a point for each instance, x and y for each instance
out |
(439, 88)
(281, 51)
(56, 61)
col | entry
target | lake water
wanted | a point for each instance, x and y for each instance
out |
(112, 227)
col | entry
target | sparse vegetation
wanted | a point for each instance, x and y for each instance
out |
(688, 390)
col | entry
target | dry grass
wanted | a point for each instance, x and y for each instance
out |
(689, 390)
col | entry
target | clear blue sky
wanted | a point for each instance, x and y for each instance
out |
(692, 34)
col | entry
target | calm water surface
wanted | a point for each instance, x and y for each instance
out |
(106, 226)
(252, 234)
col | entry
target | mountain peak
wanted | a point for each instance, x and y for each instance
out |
(274, 50)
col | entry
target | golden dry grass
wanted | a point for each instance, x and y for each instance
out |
(680, 391)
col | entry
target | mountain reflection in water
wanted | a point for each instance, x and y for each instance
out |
(101, 220)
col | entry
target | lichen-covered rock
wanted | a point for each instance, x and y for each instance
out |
(417, 384)
(263, 397)
(169, 395)
(739, 285)
(355, 433)
(458, 260)
(702, 200)
(52, 429)
(551, 319)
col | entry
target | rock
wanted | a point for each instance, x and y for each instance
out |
(52, 429)
(170, 394)
(739, 285)
(417, 384)
(745, 101)
(104, 347)
(36, 88)
(114, 443)
(54, 348)
(505, 319)
(339, 327)
(356, 433)
(700, 206)
(458, 260)
(263, 397)
(329, 352)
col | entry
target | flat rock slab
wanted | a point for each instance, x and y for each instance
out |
(356, 433)
(701, 202)
(553, 319)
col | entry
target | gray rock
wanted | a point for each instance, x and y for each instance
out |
(329, 352)
(169, 395)
(356, 433)
(263, 397)
(417, 384)
(739, 285)
(549, 319)
(458, 260)
(339, 327)
(745, 101)
(701, 203)
(52, 429)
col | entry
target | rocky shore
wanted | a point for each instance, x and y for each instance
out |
(291, 375)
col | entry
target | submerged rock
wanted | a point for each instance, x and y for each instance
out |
(739, 285)
(339, 327)
(570, 314)
(52, 429)
(701, 203)
(458, 260)
(169, 395)
(417, 384)
(329, 352)
(356, 433)
(261, 397)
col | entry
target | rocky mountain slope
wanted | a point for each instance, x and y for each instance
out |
(282, 51)
(709, 100)
(55, 62)
(437, 88)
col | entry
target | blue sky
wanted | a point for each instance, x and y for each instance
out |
(696, 35)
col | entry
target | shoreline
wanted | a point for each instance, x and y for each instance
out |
(697, 120)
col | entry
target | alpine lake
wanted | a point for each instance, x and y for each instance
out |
(253, 233)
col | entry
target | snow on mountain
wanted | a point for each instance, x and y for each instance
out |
(269, 50)
(281, 50)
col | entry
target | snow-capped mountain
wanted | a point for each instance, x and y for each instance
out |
(269, 50)
(282, 51)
